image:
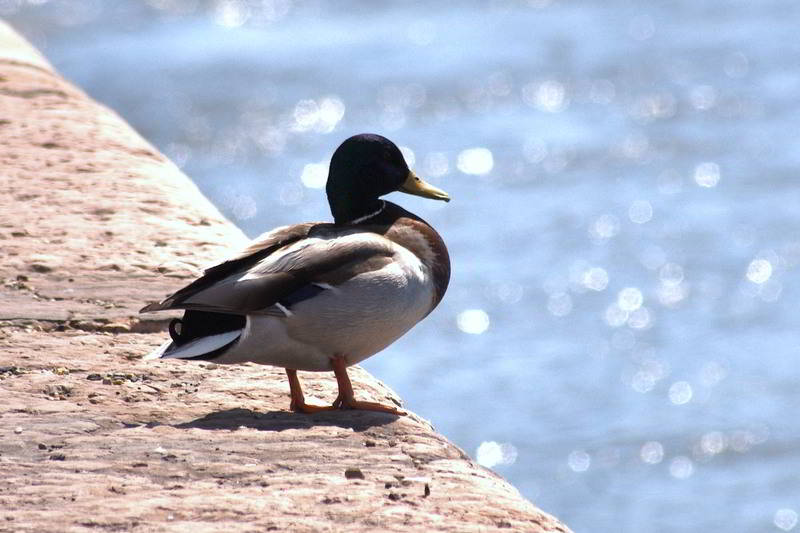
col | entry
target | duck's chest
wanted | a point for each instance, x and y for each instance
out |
(368, 312)
(428, 250)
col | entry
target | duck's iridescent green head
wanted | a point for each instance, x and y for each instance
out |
(364, 168)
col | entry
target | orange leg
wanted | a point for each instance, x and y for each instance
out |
(298, 403)
(346, 398)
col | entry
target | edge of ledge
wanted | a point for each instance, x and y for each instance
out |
(15, 48)
(96, 222)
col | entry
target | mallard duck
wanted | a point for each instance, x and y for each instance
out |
(321, 296)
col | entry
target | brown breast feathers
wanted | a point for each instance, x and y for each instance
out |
(413, 233)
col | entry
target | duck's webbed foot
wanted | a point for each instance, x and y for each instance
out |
(298, 403)
(346, 399)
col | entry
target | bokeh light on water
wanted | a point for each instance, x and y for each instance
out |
(474, 321)
(491, 454)
(620, 338)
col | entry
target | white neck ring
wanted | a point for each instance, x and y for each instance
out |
(359, 220)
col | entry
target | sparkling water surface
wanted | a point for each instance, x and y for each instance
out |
(620, 338)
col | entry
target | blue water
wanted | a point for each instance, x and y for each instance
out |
(620, 338)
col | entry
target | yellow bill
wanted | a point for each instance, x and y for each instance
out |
(418, 187)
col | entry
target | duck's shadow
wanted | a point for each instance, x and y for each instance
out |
(231, 419)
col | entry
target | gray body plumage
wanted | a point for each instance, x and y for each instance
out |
(362, 307)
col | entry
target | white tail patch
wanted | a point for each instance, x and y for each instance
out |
(197, 347)
(158, 352)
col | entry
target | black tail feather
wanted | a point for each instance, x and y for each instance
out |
(196, 324)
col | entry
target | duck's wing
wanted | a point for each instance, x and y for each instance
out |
(269, 283)
(257, 249)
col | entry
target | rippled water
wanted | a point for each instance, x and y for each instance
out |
(620, 338)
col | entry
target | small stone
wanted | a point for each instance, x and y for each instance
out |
(18, 430)
(354, 473)
(40, 268)
(58, 457)
(116, 327)
(42, 446)
(394, 496)
(94, 377)
(427, 490)
(369, 443)
(61, 371)
(58, 391)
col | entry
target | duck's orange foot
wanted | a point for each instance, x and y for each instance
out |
(352, 403)
(303, 407)
(346, 398)
(298, 403)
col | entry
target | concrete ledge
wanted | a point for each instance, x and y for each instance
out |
(93, 222)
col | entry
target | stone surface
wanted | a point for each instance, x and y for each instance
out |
(94, 222)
